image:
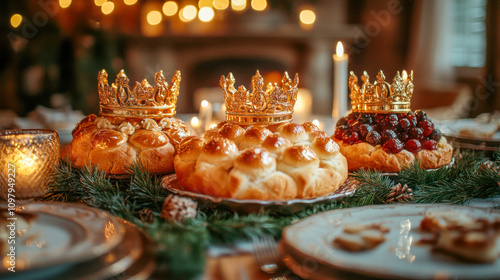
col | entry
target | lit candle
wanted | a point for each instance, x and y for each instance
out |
(303, 105)
(205, 114)
(405, 77)
(27, 158)
(195, 124)
(340, 61)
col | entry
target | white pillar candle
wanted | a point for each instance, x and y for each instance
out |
(205, 114)
(340, 61)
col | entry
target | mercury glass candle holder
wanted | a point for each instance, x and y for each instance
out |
(27, 158)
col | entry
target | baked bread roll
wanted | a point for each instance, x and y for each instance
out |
(390, 142)
(115, 143)
(265, 162)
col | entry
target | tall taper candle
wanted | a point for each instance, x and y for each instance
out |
(340, 93)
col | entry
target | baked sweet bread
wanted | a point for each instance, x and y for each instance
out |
(265, 162)
(114, 143)
(390, 142)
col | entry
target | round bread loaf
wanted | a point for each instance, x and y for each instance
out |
(275, 162)
(367, 156)
(114, 144)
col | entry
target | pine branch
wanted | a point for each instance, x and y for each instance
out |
(64, 184)
(374, 188)
(147, 190)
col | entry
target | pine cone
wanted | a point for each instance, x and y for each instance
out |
(146, 215)
(399, 193)
(176, 208)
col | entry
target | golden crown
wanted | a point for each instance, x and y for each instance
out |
(273, 105)
(143, 100)
(381, 97)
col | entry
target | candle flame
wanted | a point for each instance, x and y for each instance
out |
(340, 49)
(204, 103)
(195, 122)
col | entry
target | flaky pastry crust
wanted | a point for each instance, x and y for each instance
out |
(115, 143)
(275, 162)
(367, 156)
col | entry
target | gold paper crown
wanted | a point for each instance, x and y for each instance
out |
(381, 97)
(274, 105)
(143, 100)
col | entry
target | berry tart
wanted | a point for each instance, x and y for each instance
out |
(135, 124)
(383, 134)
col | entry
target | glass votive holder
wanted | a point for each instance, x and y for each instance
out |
(27, 158)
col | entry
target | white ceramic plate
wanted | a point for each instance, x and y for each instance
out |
(63, 233)
(309, 242)
(253, 205)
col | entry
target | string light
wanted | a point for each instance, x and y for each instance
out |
(259, 5)
(221, 4)
(154, 17)
(107, 8)
(206, 14)
(15, 20)
(170, 8)
(205, 3)
(129, 2)
(64, 3)
(238, 5)
(307, 17)
(99, 2)
(188, 13)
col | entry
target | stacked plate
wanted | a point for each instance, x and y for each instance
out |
(308, 250)
(70, 241)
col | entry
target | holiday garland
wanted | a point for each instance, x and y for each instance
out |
(181, 243)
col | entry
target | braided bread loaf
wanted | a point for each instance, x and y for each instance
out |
(266, 162)
(115, 143)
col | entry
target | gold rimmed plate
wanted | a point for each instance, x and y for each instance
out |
(171, 184)
(53, 234)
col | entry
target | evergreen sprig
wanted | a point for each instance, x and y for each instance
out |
(181, 246)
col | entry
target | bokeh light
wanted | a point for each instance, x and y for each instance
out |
(64, 3)
(259, 5)
(238, 5)
(307, 17)
(99, 2)
(15, 20)
(170, 8)
(154, 17)
(107, 8)
(206, 14)
(188, 13)
(205, 3)
(221, 4)
(129, 2)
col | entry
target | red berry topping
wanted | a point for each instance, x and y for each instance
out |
(364, 129)
(373, 137)
(353, 137)
(342, 121)
(421, 115)
(339, 131)
(435, 135)
(427, 127)
(404, 124)
(387, 134)
(416, 133)
(393, 146)
(403, 136)
(413, 145)
(429, 145)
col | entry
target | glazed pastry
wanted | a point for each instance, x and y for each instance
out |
(266, 162)
(136, 124)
